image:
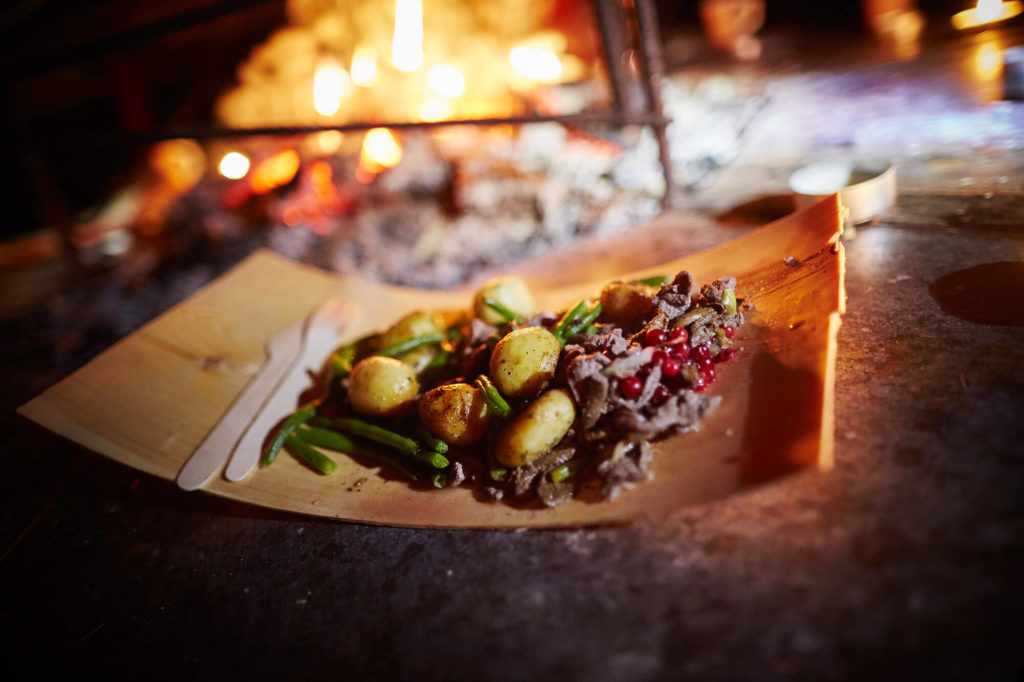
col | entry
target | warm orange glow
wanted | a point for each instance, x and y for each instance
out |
(407, 44)
(446, 80)
(435, 109)
(234, 165)
(330, 85)
(364, 66)
(988, 60)
(275, 171)
(181, 163)
(321, 177)
(327, 141)
(986, 12)
(381, 150)
(535, 63)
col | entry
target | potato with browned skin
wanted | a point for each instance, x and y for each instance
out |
(455, 413)
(537, 429)
(524, 361)
(416, 323)
(382, 387)
(627, 301)
(511, 292)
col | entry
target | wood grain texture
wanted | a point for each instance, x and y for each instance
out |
(149, 400)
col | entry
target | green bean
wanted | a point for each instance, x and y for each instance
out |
(431, 459)
(332, 440)
(656, 281)
(403, 444)
(568, 319)
(500, 308)
(378, 434)
(325, 438)
(567, 470)
(585, 322)
(310, 456)
(496, 404)
(498, 474)
(439, 480)
(430, 440)
(403, 347)
(293, 422)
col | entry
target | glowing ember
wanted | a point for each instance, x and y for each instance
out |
(330, 85)
(986, 12)
(234, 165)
(535, 63)
(364, 66)
(327, 141)
(446, 80)
(275, 171)
(407, 45)
(381, 150)
(181, 163)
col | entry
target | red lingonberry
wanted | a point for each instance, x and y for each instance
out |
(725, 355)
(681, 352)
(701, 353)
(708, 372)
(658, 357)
(631, 388)
(670, 367)
(729, 332)
(678, 334)
(655, 337)
(660, 395)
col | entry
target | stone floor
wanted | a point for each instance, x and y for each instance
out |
(904, 562)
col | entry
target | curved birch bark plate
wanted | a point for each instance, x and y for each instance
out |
(149, 400)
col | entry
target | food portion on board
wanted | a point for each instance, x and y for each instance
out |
(523, 405)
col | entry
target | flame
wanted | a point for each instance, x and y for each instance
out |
(364, 66)
(986, 12)
(436, 109)
(407, 44)
(275, 171)
(446, 80)
(535, 63)
(234, 165)
(989, 10)
(381, 150)
(330, 85)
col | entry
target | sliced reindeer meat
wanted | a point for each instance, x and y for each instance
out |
(589, 386)
(673, 299)
(522, 477)
(680, 413)
(626, 463)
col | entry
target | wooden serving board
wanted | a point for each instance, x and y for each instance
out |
(149, 400)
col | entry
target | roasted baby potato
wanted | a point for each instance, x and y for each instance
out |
(455, 413)
(537, 429)
(510, 292)
(627, 301)
(414, 324)
(382, 386)
(524, 361)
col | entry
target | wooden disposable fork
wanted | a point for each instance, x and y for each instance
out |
(321, 335)
(212, 453)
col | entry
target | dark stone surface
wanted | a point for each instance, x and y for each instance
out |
(903, 562)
